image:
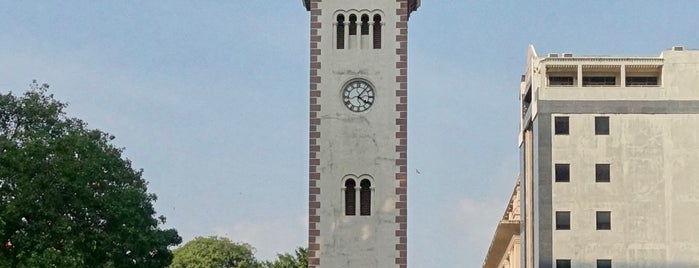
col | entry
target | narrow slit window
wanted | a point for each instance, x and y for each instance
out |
(350, 198)
(352, 24)
(561, 80)
(602, 173)
(599, 80)
(365, 24)
(365, 198)
(636, 81)
(340, 32)
(602, 125)
(377, 32)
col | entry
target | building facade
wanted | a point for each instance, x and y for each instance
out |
(610, 160)
(506, 250)
(358, 132)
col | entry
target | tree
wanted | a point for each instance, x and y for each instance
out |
(67, 196)
(214, 252)
(286, 260)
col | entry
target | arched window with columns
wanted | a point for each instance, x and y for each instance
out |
(358, 29)
(357, 189)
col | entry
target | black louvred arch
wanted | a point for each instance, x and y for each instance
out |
(365, 198)
(352, 24)
(340, 32)
(350, 198)
(377, 31)
(365, 24)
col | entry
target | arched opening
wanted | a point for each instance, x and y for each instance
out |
(350, 198)
(353, 24)
(377, 31)
(365, 198)
(365, 24)
(340, 32)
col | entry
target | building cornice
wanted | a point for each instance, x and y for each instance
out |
(413, 5)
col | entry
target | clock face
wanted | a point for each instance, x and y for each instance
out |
(358, 96)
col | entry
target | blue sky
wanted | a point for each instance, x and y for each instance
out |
(210, 98)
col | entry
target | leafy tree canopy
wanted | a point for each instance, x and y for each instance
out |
(67, 196)
(214, 252)
(221, 252)
(286, 260)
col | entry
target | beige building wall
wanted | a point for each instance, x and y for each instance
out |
(652, 150)
(654, 164)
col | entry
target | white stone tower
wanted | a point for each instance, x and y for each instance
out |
(358, 132)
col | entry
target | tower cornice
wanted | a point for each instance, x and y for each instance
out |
(412, 5)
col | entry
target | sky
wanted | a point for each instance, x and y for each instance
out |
(210, 98)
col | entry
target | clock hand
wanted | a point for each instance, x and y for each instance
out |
(365, 96)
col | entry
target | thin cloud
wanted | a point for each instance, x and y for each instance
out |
(269, 237)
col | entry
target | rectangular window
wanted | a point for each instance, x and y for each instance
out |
(602, 125)
(560, 80)
(599, 80)
(602, 173)
(562, 263)
(561, 125)
(562, 172)
(562, 220)
(604, 220)
(604, 263)
(641, 81)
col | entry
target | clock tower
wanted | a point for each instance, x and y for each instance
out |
(358, 132)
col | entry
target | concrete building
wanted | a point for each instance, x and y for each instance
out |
(358, 132)
(505, 250)
(610, 160)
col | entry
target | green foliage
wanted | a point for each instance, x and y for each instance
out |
(214, 252)
(67, 197)
(286, 260)
(221, 252)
